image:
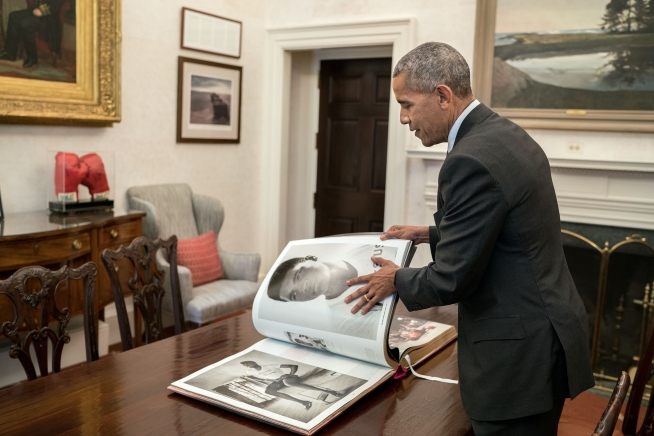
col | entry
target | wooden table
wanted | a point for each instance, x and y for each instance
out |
(125, 394)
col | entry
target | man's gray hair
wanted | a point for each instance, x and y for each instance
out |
(432, 64)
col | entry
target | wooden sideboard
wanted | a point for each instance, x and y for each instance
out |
(40, 238)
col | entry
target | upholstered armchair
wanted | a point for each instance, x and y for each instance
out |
(175, 210)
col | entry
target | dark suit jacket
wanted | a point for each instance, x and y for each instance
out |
(523, 330)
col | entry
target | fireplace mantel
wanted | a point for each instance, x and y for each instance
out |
(438, 153)
(597, 189)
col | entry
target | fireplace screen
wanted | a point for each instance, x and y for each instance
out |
(615, 283)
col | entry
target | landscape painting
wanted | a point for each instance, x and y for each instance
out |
(582, 54)
(210, 100)
(38, 40)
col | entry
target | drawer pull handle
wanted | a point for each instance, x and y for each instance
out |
(77, 244)
(36, 248)
(113, 233)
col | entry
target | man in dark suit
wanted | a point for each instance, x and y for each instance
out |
(43, 16)
(496, 246)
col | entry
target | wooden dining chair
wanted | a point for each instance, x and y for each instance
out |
(145, 282)
(609, 418)
(643, 376)
(590, 404)
(33, 293)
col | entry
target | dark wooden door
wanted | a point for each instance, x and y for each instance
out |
(352, 138)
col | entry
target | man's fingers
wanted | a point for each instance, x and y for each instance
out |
(366, 303)
(359, 280)
(356, 294)
(391, 234)
(379, 260)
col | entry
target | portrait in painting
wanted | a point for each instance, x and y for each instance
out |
(584, 55)
(38, 40)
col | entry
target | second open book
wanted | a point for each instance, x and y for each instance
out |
(319, 358)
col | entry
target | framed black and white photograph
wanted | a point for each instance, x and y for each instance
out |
(211, 33)
(208, 102)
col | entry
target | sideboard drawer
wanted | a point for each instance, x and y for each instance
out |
(43, 251)
(119, 234)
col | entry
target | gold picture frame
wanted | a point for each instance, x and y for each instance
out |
(541, 118)
(94, 99)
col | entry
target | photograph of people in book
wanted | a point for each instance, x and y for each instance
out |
(309, 285)
(307, 341)
(410, 330)
(283, 386)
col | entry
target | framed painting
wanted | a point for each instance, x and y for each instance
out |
(560, 64)
(208, 102)
(60, 62)
(211, 33)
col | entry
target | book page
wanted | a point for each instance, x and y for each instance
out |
(407, 333)
(301, 299)
(287, 383)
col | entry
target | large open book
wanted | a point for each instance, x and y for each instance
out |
(319, 358)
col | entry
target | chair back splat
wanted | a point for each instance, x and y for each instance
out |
(642, 377)
(609, 418)
(141, 278)
(33, 292)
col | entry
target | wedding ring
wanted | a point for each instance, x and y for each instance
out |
(366, 297)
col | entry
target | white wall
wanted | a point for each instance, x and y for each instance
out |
(144, 142)
(453, 22)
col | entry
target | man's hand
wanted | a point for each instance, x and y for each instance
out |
(380, 285)
(417, 234)
(37, 12)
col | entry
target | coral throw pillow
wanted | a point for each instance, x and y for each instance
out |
(200, 255)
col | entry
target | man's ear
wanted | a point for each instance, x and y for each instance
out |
(445, 95)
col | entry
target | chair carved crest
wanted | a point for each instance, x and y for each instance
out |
(35, 308)
(145, 282)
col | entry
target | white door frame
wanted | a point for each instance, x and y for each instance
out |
(280, 42)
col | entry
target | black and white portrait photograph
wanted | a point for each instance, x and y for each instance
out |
(210, 100)
(309, 285)
(279, 385)
(308, 341)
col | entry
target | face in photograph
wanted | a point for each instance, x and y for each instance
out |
(307, 278)
(210, 100)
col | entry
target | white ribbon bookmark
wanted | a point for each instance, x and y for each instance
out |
(427, 377)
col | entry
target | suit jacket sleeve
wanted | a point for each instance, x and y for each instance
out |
(474, 213)
(433, 240)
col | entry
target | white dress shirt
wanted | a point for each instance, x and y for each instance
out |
(451, 137)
